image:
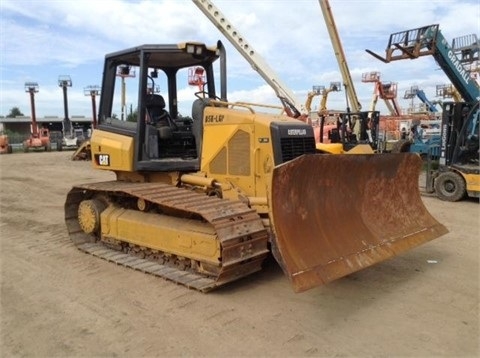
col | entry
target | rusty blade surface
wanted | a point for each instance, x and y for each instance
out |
(336, 214)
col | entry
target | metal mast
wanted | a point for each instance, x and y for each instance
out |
(340, 55)
(256, 61)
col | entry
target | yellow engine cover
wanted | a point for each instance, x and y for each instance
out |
(112, 151)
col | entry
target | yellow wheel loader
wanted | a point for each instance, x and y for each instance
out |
(202, 198)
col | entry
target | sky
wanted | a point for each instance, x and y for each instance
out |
(41, 40)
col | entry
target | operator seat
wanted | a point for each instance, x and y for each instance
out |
(159, 117)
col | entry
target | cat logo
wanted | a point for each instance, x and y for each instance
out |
(102, 160)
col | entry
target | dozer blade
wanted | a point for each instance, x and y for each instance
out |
(336, 214)
(83, 152)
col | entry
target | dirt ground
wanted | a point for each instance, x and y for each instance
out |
(59, 302)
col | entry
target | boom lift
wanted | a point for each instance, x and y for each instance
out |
(367, 130)
(340, 55)
(415, 92)
(448, 91)
(458, 171)
(387, 91)
(196, 77)
(286, 96)
(431, 107)
(39, 138)
(327, 129)
(202, 200)
(323, 129)
(334, 87)
(396, 125)
(316, 91)
(343, 137)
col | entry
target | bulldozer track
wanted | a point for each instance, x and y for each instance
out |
(189, 279)
(239, 229)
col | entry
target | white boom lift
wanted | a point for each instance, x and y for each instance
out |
(340, 55)
(287, 97)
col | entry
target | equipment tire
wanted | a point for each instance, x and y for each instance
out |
(401, 146)
(450, 186)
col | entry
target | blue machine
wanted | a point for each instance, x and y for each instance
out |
(423, 97)
(458, 172)
(425, 144)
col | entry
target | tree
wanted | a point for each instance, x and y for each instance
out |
(15, 111)
(132, 116)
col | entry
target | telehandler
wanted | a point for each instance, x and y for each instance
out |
(203, 199)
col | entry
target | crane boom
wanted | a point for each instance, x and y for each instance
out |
(214, 14)
(340, 55)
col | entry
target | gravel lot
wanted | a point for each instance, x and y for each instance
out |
(59, 302)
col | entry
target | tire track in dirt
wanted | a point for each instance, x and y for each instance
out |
(59, 301)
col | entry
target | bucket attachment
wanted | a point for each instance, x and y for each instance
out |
(337, 214)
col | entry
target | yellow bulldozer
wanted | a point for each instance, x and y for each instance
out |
(203, 199)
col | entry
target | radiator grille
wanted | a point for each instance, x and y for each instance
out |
(219, 163)
(239, 154)
(293, 147)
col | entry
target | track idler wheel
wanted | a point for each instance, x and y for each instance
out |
(89, 215)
